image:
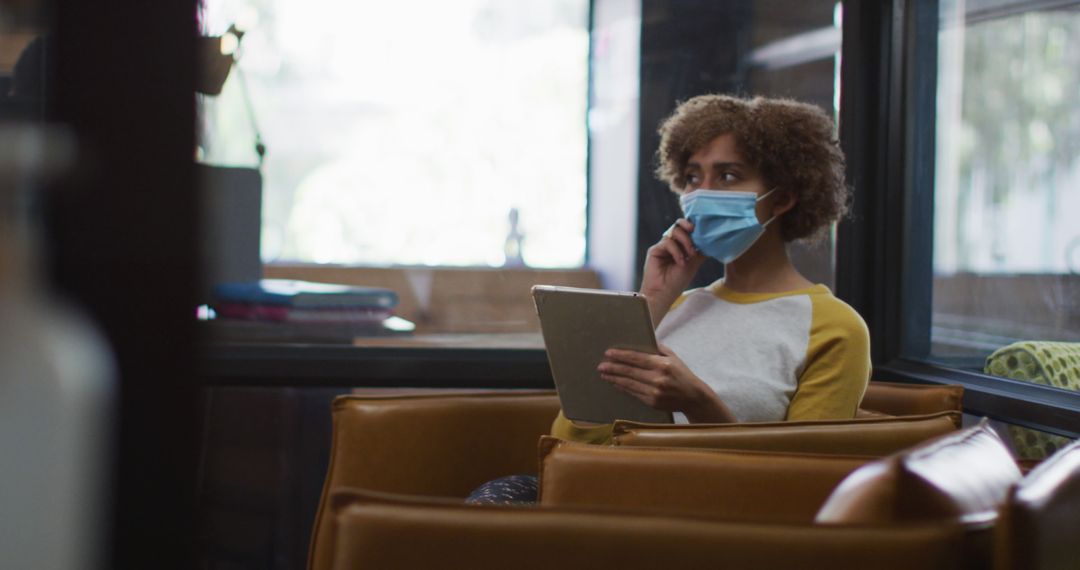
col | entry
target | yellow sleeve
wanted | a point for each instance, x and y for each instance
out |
(565, 429)
(837, 366)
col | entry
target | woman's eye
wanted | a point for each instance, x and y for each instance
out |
(729, 177)
(693, 180)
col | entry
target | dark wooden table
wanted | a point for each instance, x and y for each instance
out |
(516, 361)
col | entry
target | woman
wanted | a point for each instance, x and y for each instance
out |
(763, 343)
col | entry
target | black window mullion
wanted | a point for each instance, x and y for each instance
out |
(874, 121)
(920, 134)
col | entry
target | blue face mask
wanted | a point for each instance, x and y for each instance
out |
(725, 223)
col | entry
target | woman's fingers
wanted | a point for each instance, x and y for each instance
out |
(646, 394)
(680, 233)
(644, 380)
(661, 381)
(669, 248)
(635, 367)
(633, 372)
(677, 242)
(634, 358)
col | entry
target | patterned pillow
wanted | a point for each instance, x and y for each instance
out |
(1049, 363)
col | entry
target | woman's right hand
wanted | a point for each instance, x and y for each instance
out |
(670, 264)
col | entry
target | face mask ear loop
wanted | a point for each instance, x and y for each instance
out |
(762, 197)
(766, 195)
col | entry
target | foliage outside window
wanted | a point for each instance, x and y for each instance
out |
(1006, 241)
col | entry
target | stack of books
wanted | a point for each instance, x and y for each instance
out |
(286, 309)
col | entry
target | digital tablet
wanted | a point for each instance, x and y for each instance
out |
(578, 325)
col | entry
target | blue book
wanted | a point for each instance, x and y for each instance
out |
(305, 294)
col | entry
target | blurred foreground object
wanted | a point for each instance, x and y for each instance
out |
(56, 379)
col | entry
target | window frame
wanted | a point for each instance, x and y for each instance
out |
(884, 254)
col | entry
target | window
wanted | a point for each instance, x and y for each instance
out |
(410, 133)
(1006, 248)
(959, 121)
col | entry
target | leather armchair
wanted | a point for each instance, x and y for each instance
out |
(435, 444)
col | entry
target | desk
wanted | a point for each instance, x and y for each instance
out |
(424, 361)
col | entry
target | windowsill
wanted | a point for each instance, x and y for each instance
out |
(1039, 407)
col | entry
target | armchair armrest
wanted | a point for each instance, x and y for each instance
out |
(901, 399)
(863, 436)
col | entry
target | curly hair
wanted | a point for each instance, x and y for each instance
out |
(794, 145)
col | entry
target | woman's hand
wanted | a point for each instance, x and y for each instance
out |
(670, 264)
(663, 382)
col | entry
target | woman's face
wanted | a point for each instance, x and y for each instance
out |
(718, 166)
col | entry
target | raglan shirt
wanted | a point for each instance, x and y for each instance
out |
(796, 355)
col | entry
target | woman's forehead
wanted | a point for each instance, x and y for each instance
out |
(721, 149)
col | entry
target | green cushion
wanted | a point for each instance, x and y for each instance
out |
(1049, 363)
(1042, 362)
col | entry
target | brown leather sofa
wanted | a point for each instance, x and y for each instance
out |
(448, 443)
(930, 507)
(871, 436)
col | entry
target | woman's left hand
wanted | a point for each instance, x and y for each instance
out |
(663, 382)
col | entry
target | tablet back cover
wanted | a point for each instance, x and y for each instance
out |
(578, 325)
